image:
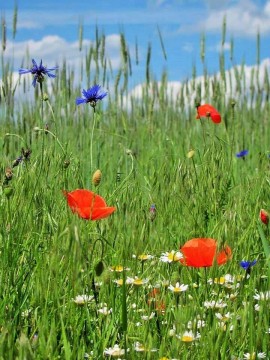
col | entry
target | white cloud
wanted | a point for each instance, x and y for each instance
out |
(219, 48)
(243, 18)
(233, 88)
(53, 49)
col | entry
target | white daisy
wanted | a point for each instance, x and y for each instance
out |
(178, 288)
(169, 257)
(83, 299)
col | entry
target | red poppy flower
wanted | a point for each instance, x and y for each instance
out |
(207, 110)
(202, 252)
(88, 205)
(264, 216)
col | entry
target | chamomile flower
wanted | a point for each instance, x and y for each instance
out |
(83, 299)
(118, 268)
(214, 304)
(223, 317)
(137, 281)
(114, 351)
(253, 356)
(262, 295)
(172, 256)
(188, 336)
(178, 288)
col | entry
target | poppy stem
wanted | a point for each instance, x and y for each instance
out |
(205, 280)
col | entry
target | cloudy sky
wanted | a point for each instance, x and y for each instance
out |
(48, 29)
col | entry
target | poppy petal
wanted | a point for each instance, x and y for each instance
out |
(207, 110)
(102, 213)
(216, 118)
(201, 252)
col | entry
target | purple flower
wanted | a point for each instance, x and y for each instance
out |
(246, 265)
(242, 153)
(92, 95)
(152, 212)
(38, 71)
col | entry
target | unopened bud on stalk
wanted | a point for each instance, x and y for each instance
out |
(96, 179)
(264, 216)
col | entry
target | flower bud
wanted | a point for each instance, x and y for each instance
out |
(264, 216)
(99, 268)
(96, 177)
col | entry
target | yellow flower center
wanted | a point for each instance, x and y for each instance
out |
(187, 338)
(138, 282)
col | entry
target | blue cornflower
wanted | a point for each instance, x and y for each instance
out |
(246, 265)
(242, 153)
(38, 71)
(92, 95)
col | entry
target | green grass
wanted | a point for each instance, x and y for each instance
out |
(49, 255)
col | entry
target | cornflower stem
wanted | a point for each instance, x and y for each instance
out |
(91, 139)
(41, 125)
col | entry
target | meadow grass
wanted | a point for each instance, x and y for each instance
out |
(49, 256)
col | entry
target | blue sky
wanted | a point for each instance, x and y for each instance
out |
(49, 30)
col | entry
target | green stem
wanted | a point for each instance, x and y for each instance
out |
(92, 138)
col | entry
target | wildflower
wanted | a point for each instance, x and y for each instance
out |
(96, 179)
(39, 71)
(104, 310)
(144, 257)
(88, 205)
(242, 154)
(83, 299)
(152, 212)
(26, 313)
(137, 281)
(172, 256)
(214, 304)
(224, 317)
(118, 282)
(202, 252)
(17, 161)
(139, 347)
(261, 355)
(262, 295)
(198, 324)
(207, 110)
(264, 216)
(246, 265)
(148, 317)
(188, 336)
(118, 268)
(178, 288)
(114, 351)
(92, 95)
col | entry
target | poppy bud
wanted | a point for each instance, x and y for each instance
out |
(96, 177)
(264, 216)
(99, 268)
